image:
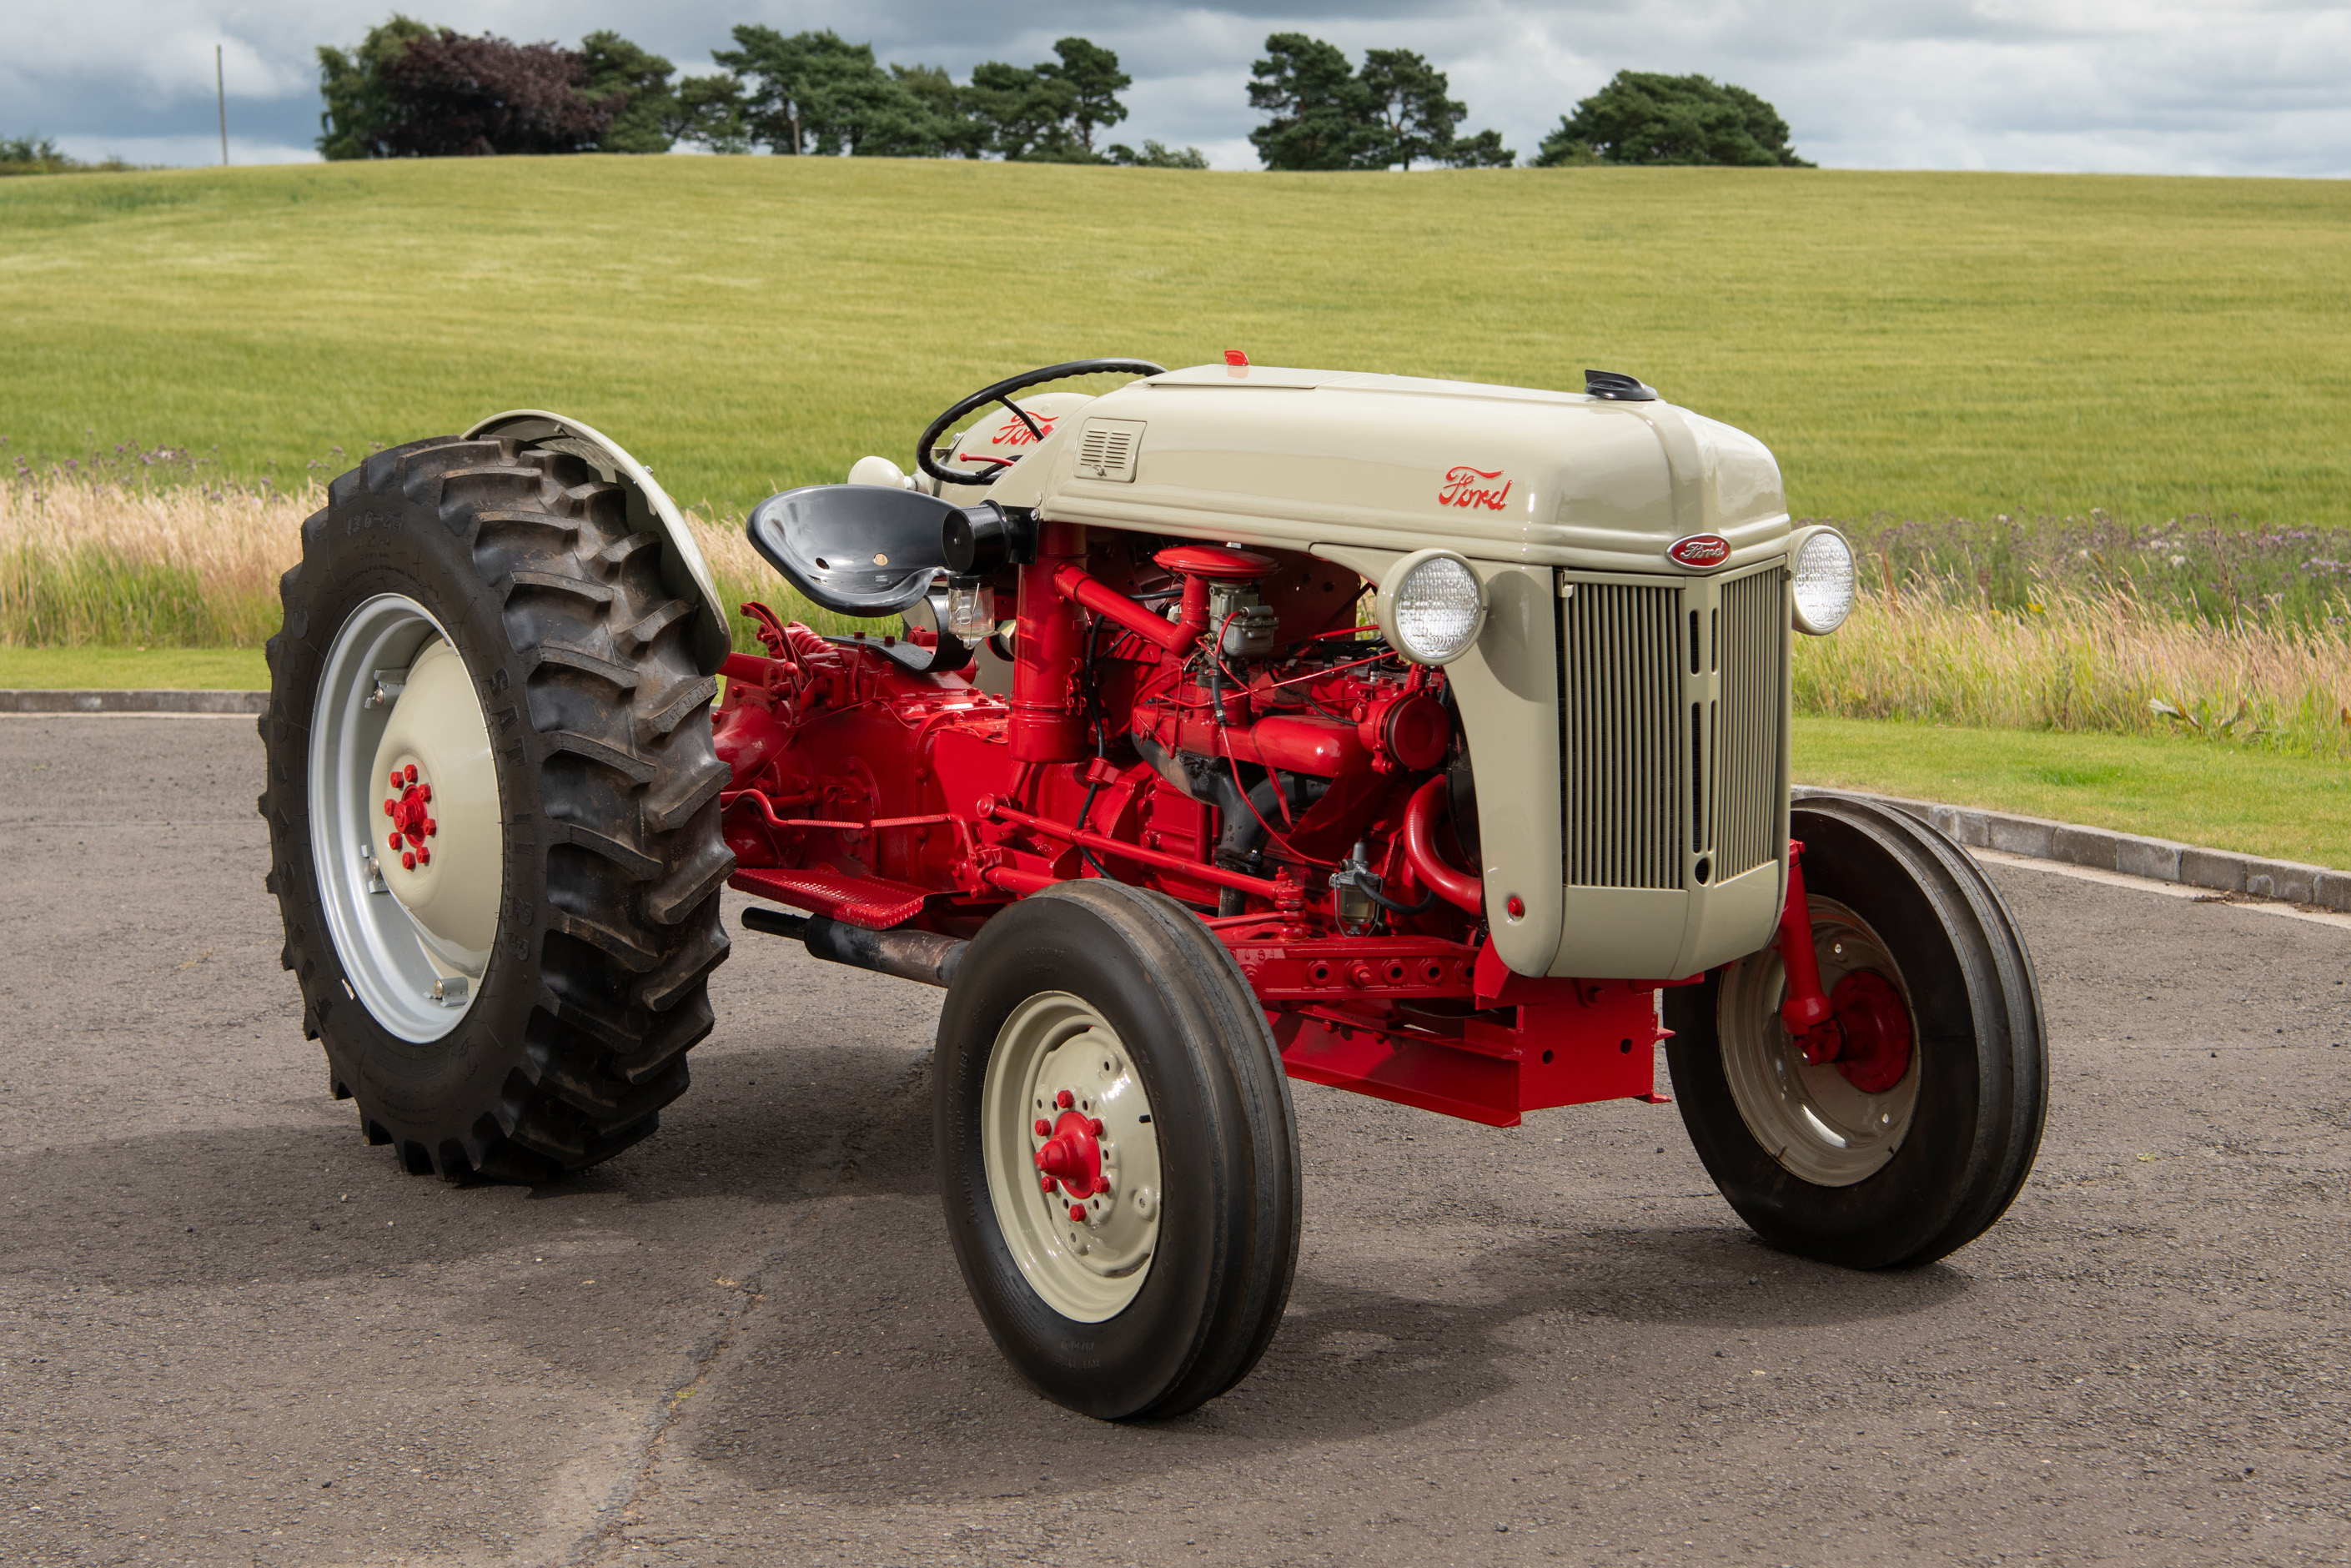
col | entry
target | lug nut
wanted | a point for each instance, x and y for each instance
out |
(408, 861)
(394, 844)
(423, 855)
(1043, 1126)
(395, 777)
(431, 828)
(425, 791)
(410, 772)
(387, 809)
(1046, 1183)
(1065, 1099)
(1096, 1125)
(1077, 1214)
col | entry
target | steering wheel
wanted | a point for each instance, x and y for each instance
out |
(1002, 392)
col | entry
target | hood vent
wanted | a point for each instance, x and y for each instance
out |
(1107, 450)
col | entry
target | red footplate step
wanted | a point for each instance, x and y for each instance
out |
(871, 902)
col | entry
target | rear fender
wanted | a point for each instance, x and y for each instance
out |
(683, 570)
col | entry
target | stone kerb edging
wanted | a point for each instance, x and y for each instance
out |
(2160, 860)
(133, 702)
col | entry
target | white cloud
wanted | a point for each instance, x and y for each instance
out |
(2229, 87)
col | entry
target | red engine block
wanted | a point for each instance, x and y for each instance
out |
(1133, 743)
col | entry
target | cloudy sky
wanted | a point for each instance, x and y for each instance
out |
(2180, 87)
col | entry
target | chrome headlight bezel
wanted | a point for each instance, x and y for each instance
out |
(1395, 611)
(1819, 549)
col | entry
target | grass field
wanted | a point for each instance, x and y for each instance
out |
(1912, 345)
(2223, 797)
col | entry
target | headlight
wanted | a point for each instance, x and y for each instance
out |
(1824, 581)
(1431, 606)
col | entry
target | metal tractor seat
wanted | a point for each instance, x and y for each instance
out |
(856, 549)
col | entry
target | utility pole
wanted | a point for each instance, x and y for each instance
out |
(220, 87)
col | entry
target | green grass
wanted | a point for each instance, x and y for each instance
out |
(1913, 344)
(134, 669)
(2222, 797)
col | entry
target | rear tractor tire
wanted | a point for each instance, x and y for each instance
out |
(492, 809)
(1117, 1152)
(1918, 1135)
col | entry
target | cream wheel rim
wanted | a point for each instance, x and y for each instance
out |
(1071, 1155)
(1809, 1116)
(410, 873)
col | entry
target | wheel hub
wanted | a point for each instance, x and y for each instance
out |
(1071, 1155)
(1831, 1103)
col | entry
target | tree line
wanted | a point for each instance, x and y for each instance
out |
(412, 89)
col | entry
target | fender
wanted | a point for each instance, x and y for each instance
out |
(683, 570)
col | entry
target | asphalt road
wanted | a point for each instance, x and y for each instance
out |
(231, 1332)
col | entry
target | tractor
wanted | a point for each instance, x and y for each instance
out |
(1418, 738)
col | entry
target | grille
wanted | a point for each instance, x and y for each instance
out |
(1747, 720)
(1623, 743)
(1670, 729)
(1106, 451)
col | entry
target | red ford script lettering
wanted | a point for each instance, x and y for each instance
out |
(1699, 550)
(1461, 490)
(1012, 433)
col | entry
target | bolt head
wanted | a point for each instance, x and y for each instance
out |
(388, 809)
(1043, 1126)
(1065, 1099)
(425, 791)
(424, 856)
(409, 773)
(408, 860)
(431, 828)
(394, 843)
(1046, 1183)
(1077, 1214)
(396, 779)
(1517, 906)
(1096, 1125)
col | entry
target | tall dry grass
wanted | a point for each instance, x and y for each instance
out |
(1939, 650)
(113, 561)
(116, 562)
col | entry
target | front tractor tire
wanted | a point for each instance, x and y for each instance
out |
(1908, 1145)
(1118, 1157)
(492, 804)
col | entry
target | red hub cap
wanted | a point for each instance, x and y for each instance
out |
(412, 822)
(1073, 1157)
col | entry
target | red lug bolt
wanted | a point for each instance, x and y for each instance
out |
(394, 843)
(1065, 1099)
(388, 809)
(1047, 1183)
(1043, 1126)
(408, 861)
(425, 791)
(1517, 906)
(1096, 1125)
(395, 777)
(1077, 1214)
(423, 855)
(431, 828)
(410, 771)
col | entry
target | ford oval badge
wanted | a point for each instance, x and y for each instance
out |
(1699, 553)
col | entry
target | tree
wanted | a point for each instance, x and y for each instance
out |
(1408, 99)
(1483, 151)
(1157, 155)
(410, 89)
(1090, 73)
(1323, 114)
(359, 100)
(1048, 112)
(815, 93)
(458, 97)
(1020, 112)
(1394, 110)
(635, 82)
(1647, 118)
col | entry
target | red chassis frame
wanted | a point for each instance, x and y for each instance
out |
(883, 796)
